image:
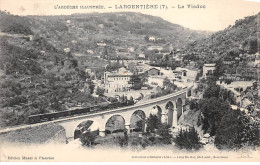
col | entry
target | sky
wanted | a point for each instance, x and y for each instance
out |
(217, 15)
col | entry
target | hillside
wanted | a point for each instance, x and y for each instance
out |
(229, 43)
(43, 58)
(122, 29)
(36, 76)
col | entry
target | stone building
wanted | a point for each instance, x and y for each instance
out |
(117, 81)
(208, 69)
(153, 72)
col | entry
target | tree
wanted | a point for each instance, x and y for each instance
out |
(166, 82)
(132, 67)
(82, 75)
(112, 99)
(74, 63)
(130, 101)
(113, 66)
(252, 45)
(249, 133)
(212, 91)
(143, 142)
(165, 133)
(213, 110)
(136, 82)
(170, 89)
(100, 91)
(188, 139)
(139, 125)
(88, 139)
(123, 100)
(123, 141)
(220, 69)
(227, 95)
(55, 104)
(15, 101)
(226, 135)
(90, 85)
(193, 104)
(198, 75)
(152, 123)
(237, 130)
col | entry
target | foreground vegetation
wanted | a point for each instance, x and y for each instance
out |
(232, 128)
(156, 134)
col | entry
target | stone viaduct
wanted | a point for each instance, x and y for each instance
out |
(170, 106)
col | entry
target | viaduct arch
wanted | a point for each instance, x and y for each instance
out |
(171, 108)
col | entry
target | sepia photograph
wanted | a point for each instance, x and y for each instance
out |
(129, 81)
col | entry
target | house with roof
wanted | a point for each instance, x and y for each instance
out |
(117, 81)
(188, 74)
(141, 56)
(90, 51)
(153, 72)
(151, 38)
(208, 69)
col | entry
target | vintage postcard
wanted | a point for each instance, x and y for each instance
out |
(129, 80)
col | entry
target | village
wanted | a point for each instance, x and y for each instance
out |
(105, 79)
(130, 62)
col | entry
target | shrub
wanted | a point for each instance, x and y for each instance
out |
(188, 139)
(112, 99)
(193, 104)
(88, 139)
(152, 123)
(165, 133)
(100, 91)
(15, 101)
(143, 142)
(122, 141)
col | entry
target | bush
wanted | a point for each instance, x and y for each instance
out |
(15, 101)
(152, 123)
(193, 104)
(139, 125)
(100, 91)
(188, 139)
(165, 133)
(122, 141)
(143, 142)
(88, 139)
(112, 99)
